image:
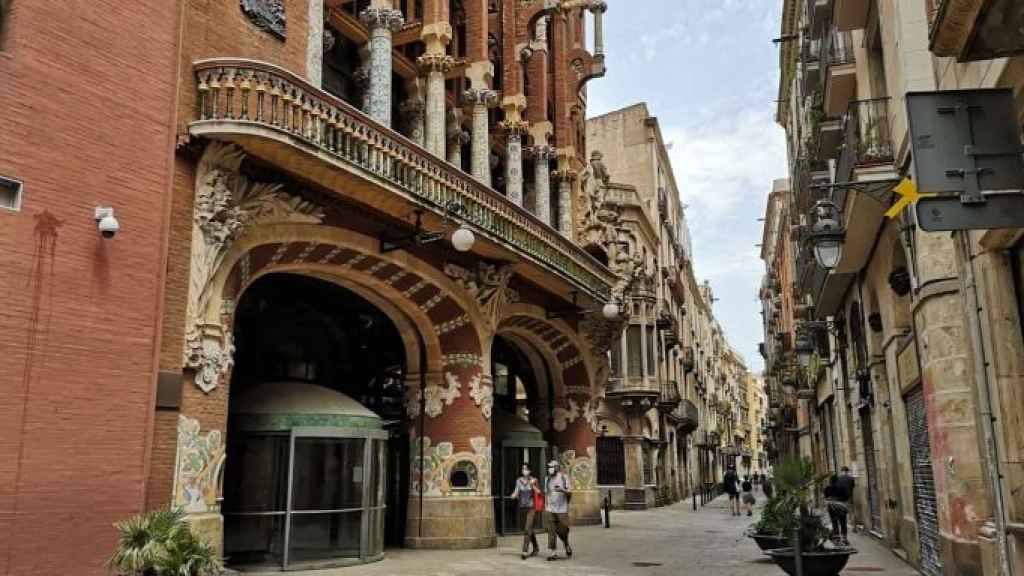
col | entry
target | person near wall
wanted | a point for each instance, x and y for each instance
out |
(557, 492)
(836, 499)
(530, 499)
(730, 487)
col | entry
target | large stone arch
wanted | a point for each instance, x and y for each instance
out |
(573, 408)
(244, 230)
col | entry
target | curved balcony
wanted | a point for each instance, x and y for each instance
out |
(644, 389)
(688, 417)
(669, 398)
(279, 118)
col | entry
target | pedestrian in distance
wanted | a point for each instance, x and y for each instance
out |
(766, 486)
(730, 487)
(557, 493)
(847, 482)
(748, 496)
(836, 500)
(530, 501)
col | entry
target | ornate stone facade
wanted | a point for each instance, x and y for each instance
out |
(226, 206)
(267, 15)
(198, 467)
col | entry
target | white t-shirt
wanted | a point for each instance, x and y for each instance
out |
(555, 501)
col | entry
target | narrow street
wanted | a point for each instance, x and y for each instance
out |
(664, 541)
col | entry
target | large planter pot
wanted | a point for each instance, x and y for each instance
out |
(768, 542)
(819, 563)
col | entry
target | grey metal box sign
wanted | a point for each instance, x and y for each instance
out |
(965, 141)
(947, 213)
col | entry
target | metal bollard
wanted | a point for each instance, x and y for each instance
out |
(798, 560)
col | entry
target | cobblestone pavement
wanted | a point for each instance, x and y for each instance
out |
(664, 541)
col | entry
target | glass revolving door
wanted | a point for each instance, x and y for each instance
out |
(305, 480)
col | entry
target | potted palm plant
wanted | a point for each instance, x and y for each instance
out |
(795, 480)
(769, 532)
(161, 543)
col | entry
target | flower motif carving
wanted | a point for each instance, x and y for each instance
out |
(226, 206)
(488, 286)
(482, 394)
(565, 415)
(438, 461)
(198, 466)
(436, 397)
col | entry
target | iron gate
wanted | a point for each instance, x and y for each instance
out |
(871, 469)
(925, 507)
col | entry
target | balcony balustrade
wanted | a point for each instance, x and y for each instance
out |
(688, 417)
(867, 138)
(670, 397)
(646, 388)
(281, 119)
(841, 73)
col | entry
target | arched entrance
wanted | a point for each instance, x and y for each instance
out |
(316, 427)
(521, 403)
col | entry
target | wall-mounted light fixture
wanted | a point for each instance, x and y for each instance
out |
(827, 234)
(462, 238)
(610, 310)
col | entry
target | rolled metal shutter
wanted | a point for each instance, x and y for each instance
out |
(925, 506)
(871, 469)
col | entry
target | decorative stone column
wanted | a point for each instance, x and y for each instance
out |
(315, 44)
(457, 136)
(435, 65)
(514, 159)
(381, 22)
(412, 112)
(480, 156)
(598, 8)
(542, 181)
(565, 180)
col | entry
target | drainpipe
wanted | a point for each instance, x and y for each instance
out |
(984, 385)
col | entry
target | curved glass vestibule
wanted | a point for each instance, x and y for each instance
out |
(306, 490)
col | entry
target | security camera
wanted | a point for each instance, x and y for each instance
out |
(106, 223)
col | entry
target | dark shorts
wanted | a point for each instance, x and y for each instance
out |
(733, 495)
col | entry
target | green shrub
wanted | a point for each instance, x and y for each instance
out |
(161, 543)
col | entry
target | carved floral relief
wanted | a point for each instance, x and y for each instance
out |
(438, 462)
(198, 466)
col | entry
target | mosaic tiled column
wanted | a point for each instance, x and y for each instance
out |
(435, 66)
(514, 159)
(480, 150)
(565, 180)
(456, 138)
(542, 181)
(413, 113)
(576, 442)
(598, 7)
(381, 22)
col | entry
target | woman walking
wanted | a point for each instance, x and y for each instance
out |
(557, 491)
(528, 494)
(748, 496)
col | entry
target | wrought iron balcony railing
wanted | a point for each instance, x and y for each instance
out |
(867, 137)
(247, 100)
(839, 48)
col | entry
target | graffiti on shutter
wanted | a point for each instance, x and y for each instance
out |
(925, 506)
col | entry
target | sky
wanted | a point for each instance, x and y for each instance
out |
(708, 71)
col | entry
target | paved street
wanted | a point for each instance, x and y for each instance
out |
(665, 541)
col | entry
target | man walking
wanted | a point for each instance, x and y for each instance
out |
(732, 490)
(845, 484)
(557, 491)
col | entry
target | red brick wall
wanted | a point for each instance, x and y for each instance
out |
(213, 28)
(86, 101)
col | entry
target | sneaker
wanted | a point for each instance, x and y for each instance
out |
(552, 557)
(568, 551)
(523, 555)
(749, 513)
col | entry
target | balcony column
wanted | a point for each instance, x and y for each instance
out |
(598, 8)
(316, 44)
(435, 65)
(480, 151)
(412, 112)
(515, 127)
(457, 136)
(381, 22)
(542, 181)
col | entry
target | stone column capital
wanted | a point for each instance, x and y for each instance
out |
(598, 6)
(435, 62)
(542, 152)
(565, 175)
(412, 107)
(387, 18)
(482, 97)
(515, 127)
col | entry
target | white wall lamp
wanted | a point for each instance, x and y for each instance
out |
(827, 235)
(463, 239)
(610, 310)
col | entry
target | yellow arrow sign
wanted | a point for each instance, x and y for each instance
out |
(909, 195)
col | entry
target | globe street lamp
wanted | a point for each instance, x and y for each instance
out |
(826, 237)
